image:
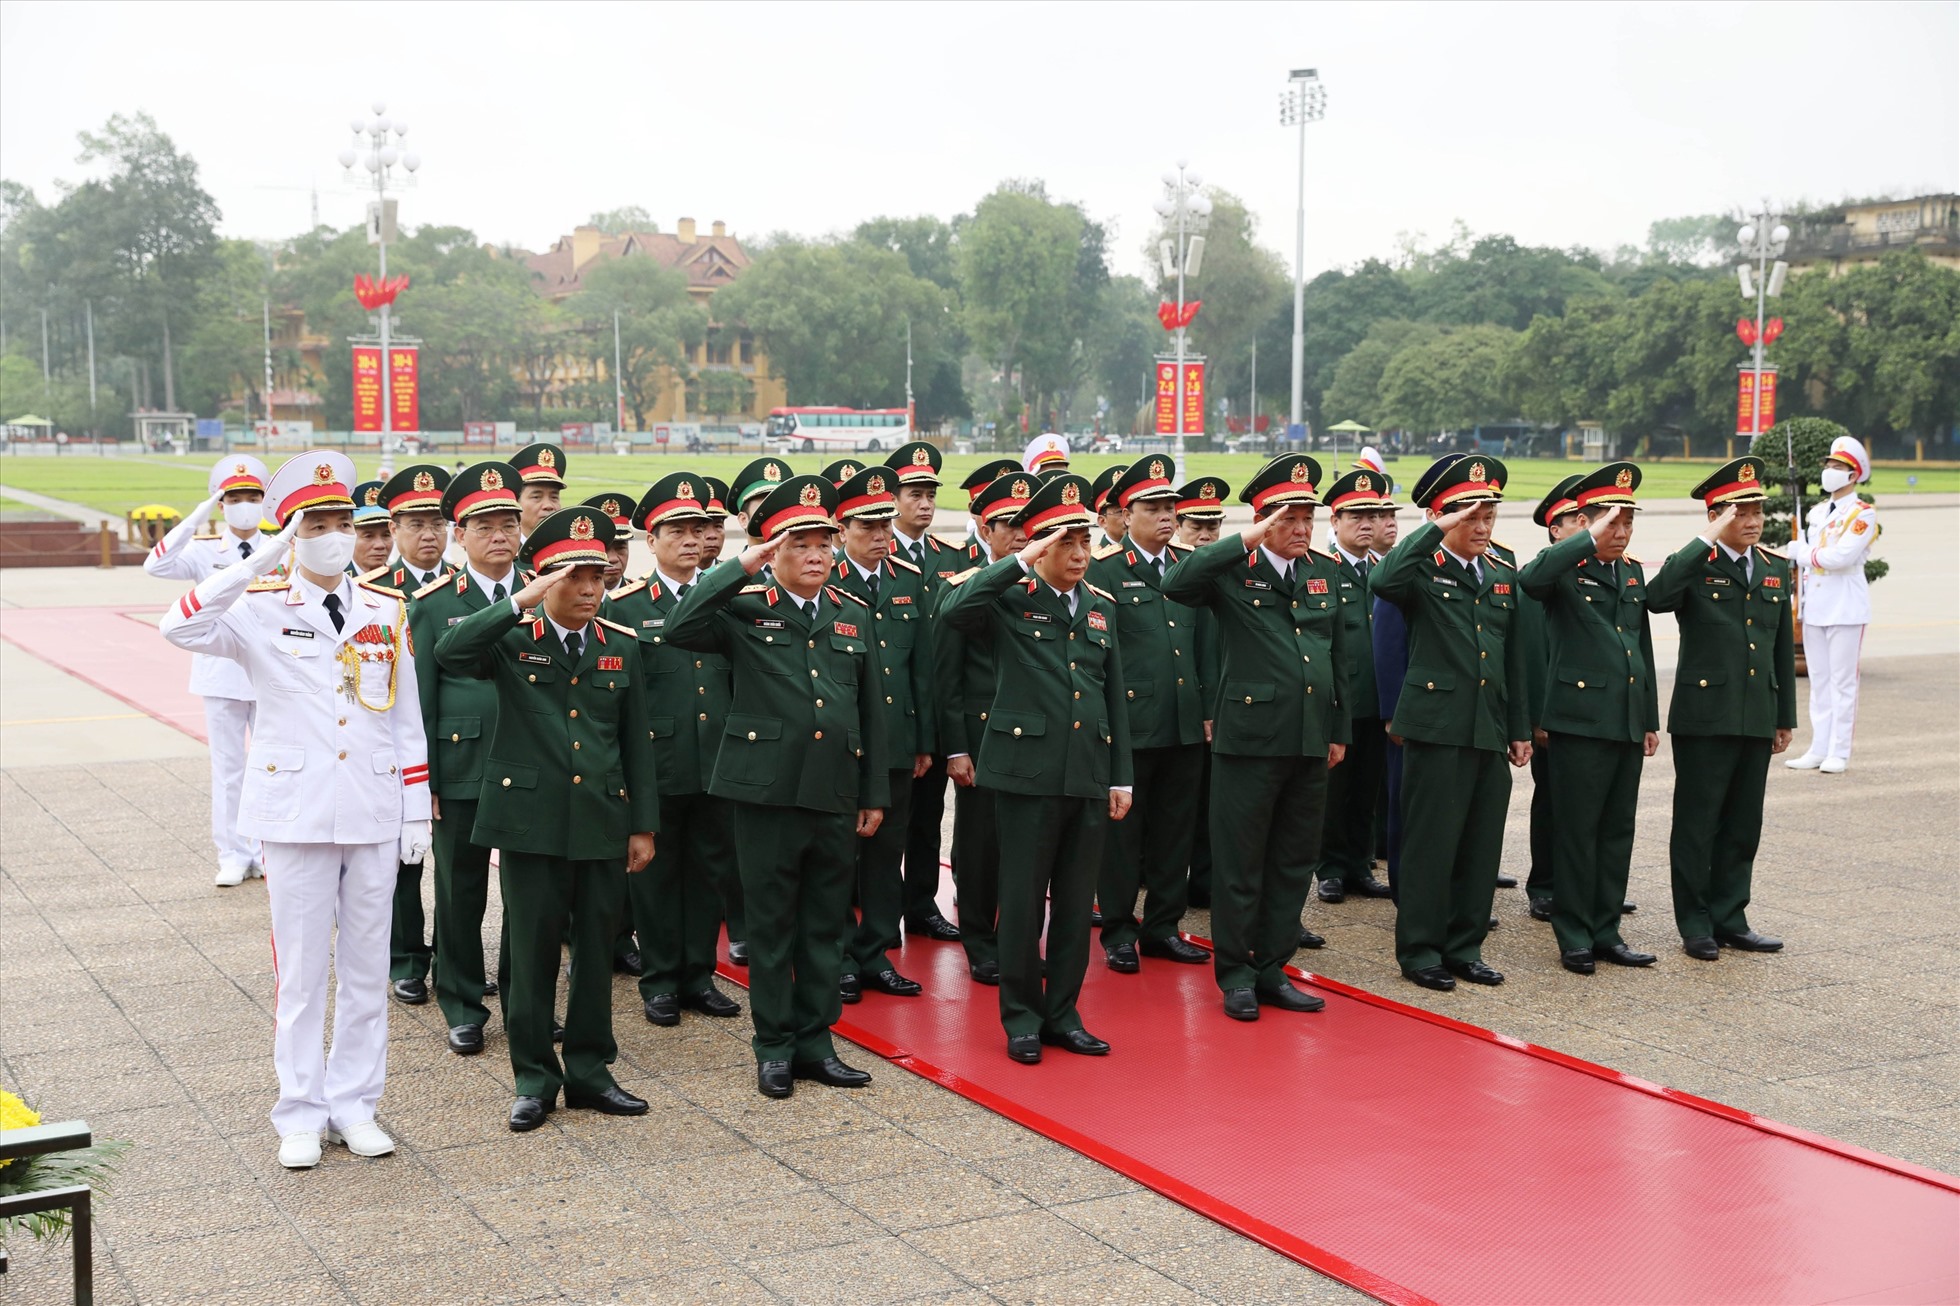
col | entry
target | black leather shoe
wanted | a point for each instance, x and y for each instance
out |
(413, 992)
(1701, 949)
(773, 1079)
(986, 972)
(662, 1009)
(466, 1040)
(738, 952)
(1474, 971)
(1750, 941)
(1494, 922)
(1174, 948)
(1621, 955)
(937, 928)
(1025, 1048)
(830, 1071)
(712, 1002)
(629, 963)
(890, 981)
(1507, 881)
(1333, 891)
(1541, 909)
(614, 1101)
(850, 990)
(1241, 1004)
(1579, 961)
(1431, 977)
(527, 1113)
(1123, 958)
(1308, 939)
(490, 988)
(1079, 1041)
(1287, 998)
(557, 1031)
(1628, 909)
(1371, 888)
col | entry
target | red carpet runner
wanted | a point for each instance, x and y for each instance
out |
(1414, 1157)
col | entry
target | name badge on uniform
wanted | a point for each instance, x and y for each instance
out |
(1588, 580)
(1098, 622)
(539, 658)
(1316, 586)
(1134, 585)
(653, 623)
(612, 664)
(845, 629)
(770, 623)
(1444, 580)
(1252, 584)
(1714, 580)
(1036, 616)
(453, 620)
(298, 634)
(1347, 584)
(1500, 588)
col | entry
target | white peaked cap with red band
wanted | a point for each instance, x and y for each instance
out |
(237, 471)
(1371, 458)
(1851, 450)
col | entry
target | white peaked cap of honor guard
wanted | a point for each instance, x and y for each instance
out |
(237, 471)
(1371, 458)
(1044, 451)
(1852, 450)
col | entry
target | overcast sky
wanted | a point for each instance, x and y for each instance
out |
(1560, 124)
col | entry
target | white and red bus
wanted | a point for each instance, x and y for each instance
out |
(846, 430)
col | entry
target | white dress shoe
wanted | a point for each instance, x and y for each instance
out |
(1808, 762)
(300, 1150)
(231, 874)
(1835, 766)
(364, 1139)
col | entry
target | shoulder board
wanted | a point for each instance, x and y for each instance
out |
(932, 542)
(630, 587)
(624, 630)
(367, 576)
(838, 596)
(389, 590)
(1628, 557)
(1170, 551)
(912, 567)
(1500, 544)
(1100, 593)
(268, 586)
(1331, 557)
(440, 582)
(960, 578)
(1500, 561)
(757, 588)
(1106, 551)
(1768, 552)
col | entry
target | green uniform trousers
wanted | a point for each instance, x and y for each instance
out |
(1347, 838)
(462, 876)
(796, 878)
(1454, 799)
(1718, 822)
(1050, 848)
(1544, 857)
(1151, 847)
(1198, 891)
(1266, 815)
(409, 953)
(543, 897)
(976, 872)
(675, 907)
(922, 841)
(1596, 787)
(881, 885)
(728, 882)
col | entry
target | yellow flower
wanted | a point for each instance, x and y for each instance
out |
(15, 1114)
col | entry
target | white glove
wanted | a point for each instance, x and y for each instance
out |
(202, 513)
(415, 842)
(272, 553)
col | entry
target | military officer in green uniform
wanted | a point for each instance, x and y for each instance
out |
(751, 484)
(541, 481)
(963, 679)
(459, 712)
(1056, 753)
(1558, 513)
(1735, 705)
(413, 497)
(1601, 713)
(975, 481)
(803, 762)
(1347, 852)
(895, 592)
(618, 508)
(1200, 516)
(1163, 699)
(571, 800)
(728, 874)
(675, 905)
(1282, 721)
(372, 540)
(1461, 715)
(1111, 520)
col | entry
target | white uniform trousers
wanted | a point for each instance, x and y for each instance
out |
(228, 724)
(1831, 653)
(312, 886)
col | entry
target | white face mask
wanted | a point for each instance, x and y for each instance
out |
(325, 555)
(1834, 479)
(244, 514)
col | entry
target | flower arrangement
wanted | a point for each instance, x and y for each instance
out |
(94, 1165)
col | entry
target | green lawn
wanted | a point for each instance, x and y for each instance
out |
(119, 484)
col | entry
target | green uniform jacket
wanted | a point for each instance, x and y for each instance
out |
(904, 653)
(1737, 673)
(570, 772)
(459, 713)
(1357, 638)
(1466, 683)
(1282, 678)
(688, 693)
(1163, 682)
(1058, 724)
(799, 732)
(1601, 654)
(962, 672)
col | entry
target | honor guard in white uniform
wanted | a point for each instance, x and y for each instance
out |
(1047, 452)
(1835, 604)
(238, 485)
(335, 790)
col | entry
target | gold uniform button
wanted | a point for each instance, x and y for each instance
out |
(506, 782)
(343, 721)
(574, 680)
(1752, 648)
(1132, 693)
(578, 779)
(888, 698)
(697, 664)
(1180, 680)
(820, 734)
(575, 745)
(819, 702)
(455, 739)
(983, 716)
(1310, 689)
(1078, 725)
(701, 689)
(1703, 684)
(813, 643)
(343, 755)
(1430, 684)
(533, 679)
(1071, 666)
(1017, 732)
(275, 767)
(813, 673)
(769, 639)
(751, 736)
(574, 714)
(1482, 683)
(656, 639)
(1629, 680)
(1482, 654)
(1752, 671)
(704, 717)
(1173, 625)
(1582, 684)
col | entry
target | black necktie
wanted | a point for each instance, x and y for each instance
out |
(497, 594)
(332, 605)
(1364, 567)
(872, 581)
(244, 548)
(572, 645)
(1748, 571)
(919, 555)
(808, 607)
(1613, 574)
(680, 591)
(1157, 566)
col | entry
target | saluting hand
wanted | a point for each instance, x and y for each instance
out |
(1724, 522)
(271, 556)
(1449, 521)
(1601, 522)
(1039, 546)
(541, 584)
(757, 556)
(1255, 535)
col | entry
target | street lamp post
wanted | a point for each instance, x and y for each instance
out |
(1187, 211)
(1762, 239)
(1304, 101)
(377, 148)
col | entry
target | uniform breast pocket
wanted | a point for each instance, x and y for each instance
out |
(385, 791)
(1425, 698)
(298, 666)
(1014, 742)
(539, 679)
(748, 753)
(1247, 707)
(275, 782)
(844, 666)
(768, 649)
(615, 810)
(1031, 645)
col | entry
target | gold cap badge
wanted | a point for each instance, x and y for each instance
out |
(1748, 472)
(581, 528)
(876, 485)
(546, 458)
(1299, 474)
(1071, 494)
(1363, 483)
(812, 496)
(1625, 479)
(493, 479)
(424, 482)
(1156, 469)
(1477, 472)
(685, 490)
(323, 474)
(920, 458)
(1018, 490)
(771, 472)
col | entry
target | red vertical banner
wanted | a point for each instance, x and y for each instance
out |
(404, 388)
(1194, 398)
(1755, 403)
(367, 388)
(1166, 398)
(1766, 399)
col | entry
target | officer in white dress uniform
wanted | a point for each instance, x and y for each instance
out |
(1047, 452)
(238, 485)
(335, 789)
(1836, 605)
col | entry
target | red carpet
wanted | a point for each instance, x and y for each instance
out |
(1414, 1157)
(1424, 1160)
